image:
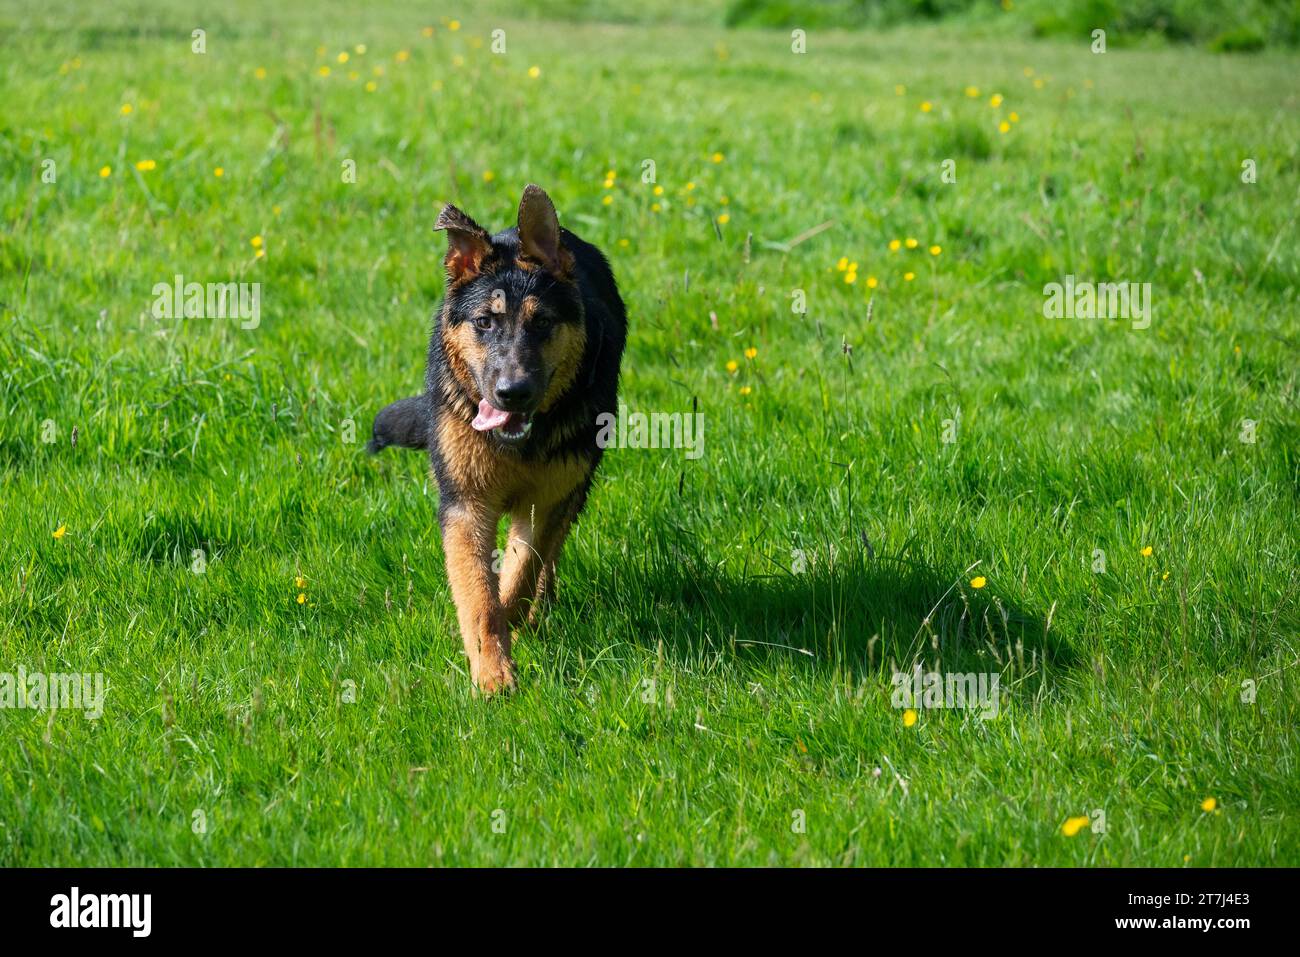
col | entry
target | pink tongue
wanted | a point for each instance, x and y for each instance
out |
(489, 417)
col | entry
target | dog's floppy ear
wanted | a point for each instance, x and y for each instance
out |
(467, 243)
(539, 233)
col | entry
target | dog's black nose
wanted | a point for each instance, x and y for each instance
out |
(515, 395)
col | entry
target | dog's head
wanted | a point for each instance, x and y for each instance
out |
(513, 328)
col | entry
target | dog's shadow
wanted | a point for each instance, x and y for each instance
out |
(851, 612)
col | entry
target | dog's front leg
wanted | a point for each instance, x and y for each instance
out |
(521, 566)
(528, 575)
(468, 536)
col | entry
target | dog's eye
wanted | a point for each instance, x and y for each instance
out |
(483, 323)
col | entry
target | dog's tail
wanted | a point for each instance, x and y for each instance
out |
(405, 423)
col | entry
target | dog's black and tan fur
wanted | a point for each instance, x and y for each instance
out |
(529, 335)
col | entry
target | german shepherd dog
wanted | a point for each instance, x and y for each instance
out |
(523, 358)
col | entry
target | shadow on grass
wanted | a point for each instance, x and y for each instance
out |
(854, 613)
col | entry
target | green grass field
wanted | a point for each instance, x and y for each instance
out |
(712, 686)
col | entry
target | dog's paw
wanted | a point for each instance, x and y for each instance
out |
(495, 675)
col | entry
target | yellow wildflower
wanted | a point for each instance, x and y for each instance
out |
(1074, 825)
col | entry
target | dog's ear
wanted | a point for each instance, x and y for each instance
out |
(467, 243)
(539, 233)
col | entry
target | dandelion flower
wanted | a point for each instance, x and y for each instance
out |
(1074, 825)
(607, 200)
(260, 73)
(299, 582)
(401, 56)
(909, 718)
(371, 86)
(658, 190)
(724, 219)
(534, 72)
(909, 276)
(488, 176)
(302, 598)
(105, 172)
(689, 187)
(126, 109)
(343, 57)
(324, 70)
(926, 106)
(910, 243)
(872, 282)
(1208, 805)
(751, 353)
(1004, 126)
(893, 245)
(745, 390)
(843, 264)
(717, 157)
(1038, 84)
(61, 531)
(256, 242)
(995, 100)
(453, 25)
(360, 49)
(145, 166)
(850, 277)
(219, 172)
(655, 207)
(1014, 117)
(935, 250)
(972, 91)
(1146, 552)
(732, 366)
(979, 581)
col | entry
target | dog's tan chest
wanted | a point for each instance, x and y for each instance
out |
(501, 479)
